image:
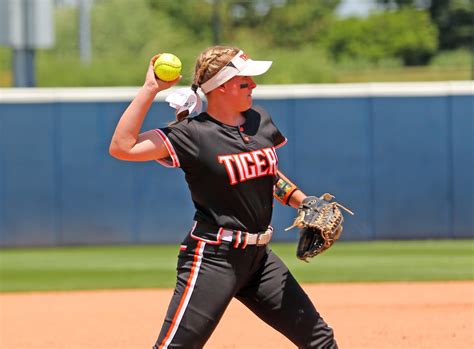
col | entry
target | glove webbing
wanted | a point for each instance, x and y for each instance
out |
(319, 223)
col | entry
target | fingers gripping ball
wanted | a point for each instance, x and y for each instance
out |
(167, 67)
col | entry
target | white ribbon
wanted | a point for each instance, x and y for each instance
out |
(185, 99)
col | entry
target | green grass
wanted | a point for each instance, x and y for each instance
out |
(387, 261)
(72, 268)
(406, 74)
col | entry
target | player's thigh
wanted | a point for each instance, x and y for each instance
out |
(204, 288)
(276, 297)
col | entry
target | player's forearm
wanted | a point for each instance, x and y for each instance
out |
(128, 128)
(286, 192)
(297, 198)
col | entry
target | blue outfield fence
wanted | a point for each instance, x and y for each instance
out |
(399, 155)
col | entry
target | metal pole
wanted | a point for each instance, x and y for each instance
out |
(216, 22)
(24, 57)
(472, 41)
(85, 47)
(24, 67)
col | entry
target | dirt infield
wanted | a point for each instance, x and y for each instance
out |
(386, 315)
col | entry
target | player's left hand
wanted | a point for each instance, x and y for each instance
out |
(320, 222)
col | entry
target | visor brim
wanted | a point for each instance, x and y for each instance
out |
(255, 68)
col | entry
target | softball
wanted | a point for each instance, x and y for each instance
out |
(167, 67)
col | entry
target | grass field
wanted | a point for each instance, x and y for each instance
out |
(151, 266)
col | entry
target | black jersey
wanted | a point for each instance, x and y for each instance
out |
(229, 169)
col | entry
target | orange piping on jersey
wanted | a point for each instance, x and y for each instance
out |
(281, 144)
(219, 236)
(170, 149)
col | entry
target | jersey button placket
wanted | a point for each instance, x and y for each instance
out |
(243, 136)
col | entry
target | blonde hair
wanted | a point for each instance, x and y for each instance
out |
(208, 64)
(210, 61)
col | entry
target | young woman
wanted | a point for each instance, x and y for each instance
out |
(228, 156)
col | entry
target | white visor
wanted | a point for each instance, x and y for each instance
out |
(239, 65)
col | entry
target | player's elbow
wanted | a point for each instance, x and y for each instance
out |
(118, 152)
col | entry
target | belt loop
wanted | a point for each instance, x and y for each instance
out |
(237, 238)
(257, 241)
(246, 240)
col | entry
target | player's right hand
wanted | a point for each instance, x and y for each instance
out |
(153, 83)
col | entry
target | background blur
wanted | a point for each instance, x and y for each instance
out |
(109, 42)
(375, 97)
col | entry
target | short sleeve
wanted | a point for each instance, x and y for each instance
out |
(181, 143)
(278, 139)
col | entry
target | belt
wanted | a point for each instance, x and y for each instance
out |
(215, 235)
(259, 239)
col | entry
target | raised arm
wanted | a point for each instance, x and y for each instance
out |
(127, 142)
(286, 192)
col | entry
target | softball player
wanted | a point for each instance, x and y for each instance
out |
(228, 155)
